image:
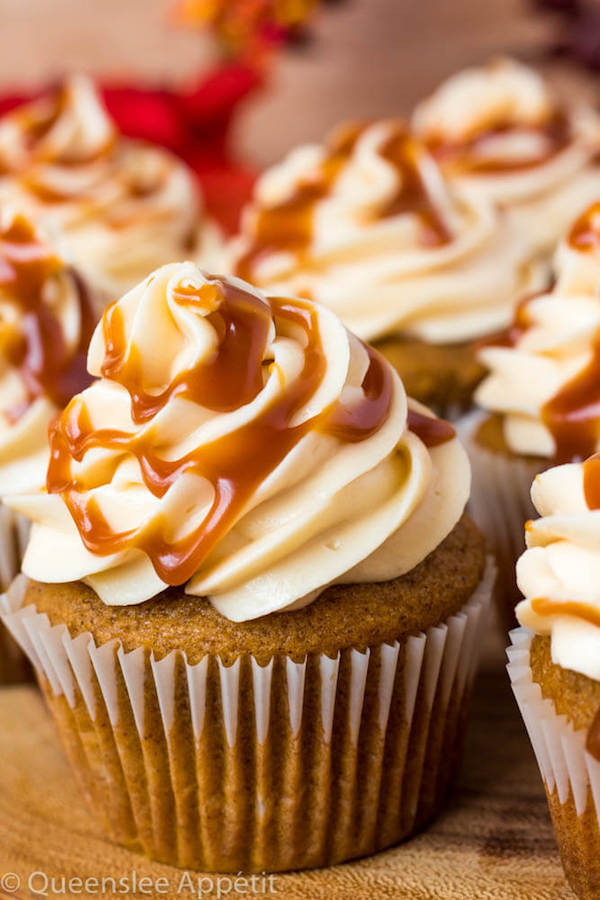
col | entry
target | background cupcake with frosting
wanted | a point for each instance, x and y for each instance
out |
(541, 396)
(117, 207)
(368, 225)
(45, 325)
(554, 664)
(501, 131)
(251, 575)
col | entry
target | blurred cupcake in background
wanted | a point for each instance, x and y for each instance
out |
(541, 396)
(501, 131)
(554, 660)
(367, 225)
(257, 604)
(45, 326)
(117, 207)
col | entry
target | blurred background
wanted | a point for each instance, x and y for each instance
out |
(355, 58)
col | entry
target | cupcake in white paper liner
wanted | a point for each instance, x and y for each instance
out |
(259, 767)
(254, 602)
(554, 664)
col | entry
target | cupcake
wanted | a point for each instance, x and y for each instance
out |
(555, 664)
(254, 601)
(368, 226)
(540, 397)
(119, 207)
(45, 326)
(501, 131)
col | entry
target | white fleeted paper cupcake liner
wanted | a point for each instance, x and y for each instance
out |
(248, 767)
(570, 774)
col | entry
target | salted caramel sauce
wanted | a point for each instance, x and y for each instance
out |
(235, 464)
(572, 416)
(585, 233)
(591, 481)
(37, 348)
(289, 225)
(546, 607)
(465, 156)
(431, 430)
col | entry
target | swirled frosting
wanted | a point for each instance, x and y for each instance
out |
(500, 131)
(367, 225)
(45, 326)
(120, 207)
(559, 573)
(545, 371)
(248, 447)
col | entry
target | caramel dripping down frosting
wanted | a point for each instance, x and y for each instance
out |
(235, 464)
(572, 414)
(35, 343)
(288, 226)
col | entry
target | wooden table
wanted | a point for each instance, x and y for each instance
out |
(494, 841)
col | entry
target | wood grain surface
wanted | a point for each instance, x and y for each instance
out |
(494, 841)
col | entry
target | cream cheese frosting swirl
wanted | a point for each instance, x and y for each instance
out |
(120, 207)
(545, 371)
(45, 327)
(559, 573)
(367, 225)
(248, 447)
(500, 131)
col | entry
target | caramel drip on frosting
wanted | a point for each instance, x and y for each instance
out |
(289, 225)
(37, 346)
(572, 416)
(466, 155)
(235, 464)
(585, 233)
(545, 607)
(591, 481)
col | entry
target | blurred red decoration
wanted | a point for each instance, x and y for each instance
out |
(578, 29)
(194, 123)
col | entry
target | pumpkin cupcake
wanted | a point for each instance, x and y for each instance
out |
(555, 664)
(367, 225)
(541, 397)
(255, 602)
(45, 326)
(118, 207)
(500, 131)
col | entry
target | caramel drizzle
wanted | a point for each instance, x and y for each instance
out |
(543, 606)
(585, 233)
(591, 481)
(289, 226)
(464, 155)
(39, 350)
(572, 416)
(235, 464)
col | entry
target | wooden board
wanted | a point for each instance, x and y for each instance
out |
(494, 841)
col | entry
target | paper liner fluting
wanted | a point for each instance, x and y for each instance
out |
(292, 764)
(14, 531)
(500, 505)
(570, 774)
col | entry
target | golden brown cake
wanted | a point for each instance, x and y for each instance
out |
(253, 549)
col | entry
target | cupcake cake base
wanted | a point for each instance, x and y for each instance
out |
(236, 756)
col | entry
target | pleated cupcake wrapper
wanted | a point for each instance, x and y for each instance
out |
(14, 532)
(500, 505)
(570, 774)
(252, 767)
